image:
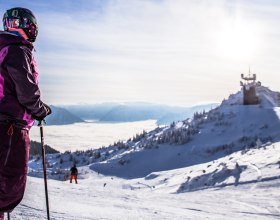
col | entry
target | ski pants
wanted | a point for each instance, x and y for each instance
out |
(73, 177)
(14, 155)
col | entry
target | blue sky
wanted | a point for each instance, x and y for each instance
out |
(178, 52)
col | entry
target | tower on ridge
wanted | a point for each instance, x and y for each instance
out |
(249, 85)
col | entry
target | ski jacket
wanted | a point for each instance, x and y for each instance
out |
(19, 92)
(74, 171)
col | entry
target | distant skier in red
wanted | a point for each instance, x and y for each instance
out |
(20, 103)
(74, 174)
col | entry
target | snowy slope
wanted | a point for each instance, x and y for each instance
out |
(248, 192)
(222, 164)
(268, 98)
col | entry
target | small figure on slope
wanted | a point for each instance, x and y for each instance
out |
(74, 174)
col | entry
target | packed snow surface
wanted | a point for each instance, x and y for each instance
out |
(250, 191)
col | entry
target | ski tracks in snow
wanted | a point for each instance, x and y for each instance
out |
(257, 210)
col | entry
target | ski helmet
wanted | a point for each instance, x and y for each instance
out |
(21, 20)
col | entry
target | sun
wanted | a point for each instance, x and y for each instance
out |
(238, 41)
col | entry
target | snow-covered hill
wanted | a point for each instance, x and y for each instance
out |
(222, 164)
(229, 128)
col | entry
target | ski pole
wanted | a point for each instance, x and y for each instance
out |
(44, 166)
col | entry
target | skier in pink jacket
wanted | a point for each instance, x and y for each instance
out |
(20, 103)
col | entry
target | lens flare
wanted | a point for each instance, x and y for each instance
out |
(239, 41)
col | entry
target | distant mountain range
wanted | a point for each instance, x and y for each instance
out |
(129, 112)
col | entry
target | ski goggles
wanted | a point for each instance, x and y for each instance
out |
(21, 23)
(17, 23)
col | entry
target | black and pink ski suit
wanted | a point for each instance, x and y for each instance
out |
(20, 104)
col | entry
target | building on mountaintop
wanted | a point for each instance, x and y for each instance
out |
(249, 86)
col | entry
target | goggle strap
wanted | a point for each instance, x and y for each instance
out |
(15, 13)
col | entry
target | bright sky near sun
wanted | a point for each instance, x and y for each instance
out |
(178, 52)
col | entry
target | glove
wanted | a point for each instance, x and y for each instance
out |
(49, 110)
(41, 118)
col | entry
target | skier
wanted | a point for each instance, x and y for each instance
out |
(20, 103)
(74, 174)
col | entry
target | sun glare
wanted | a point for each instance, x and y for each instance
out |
(238, 41)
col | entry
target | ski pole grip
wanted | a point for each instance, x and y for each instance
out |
(41, 122)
